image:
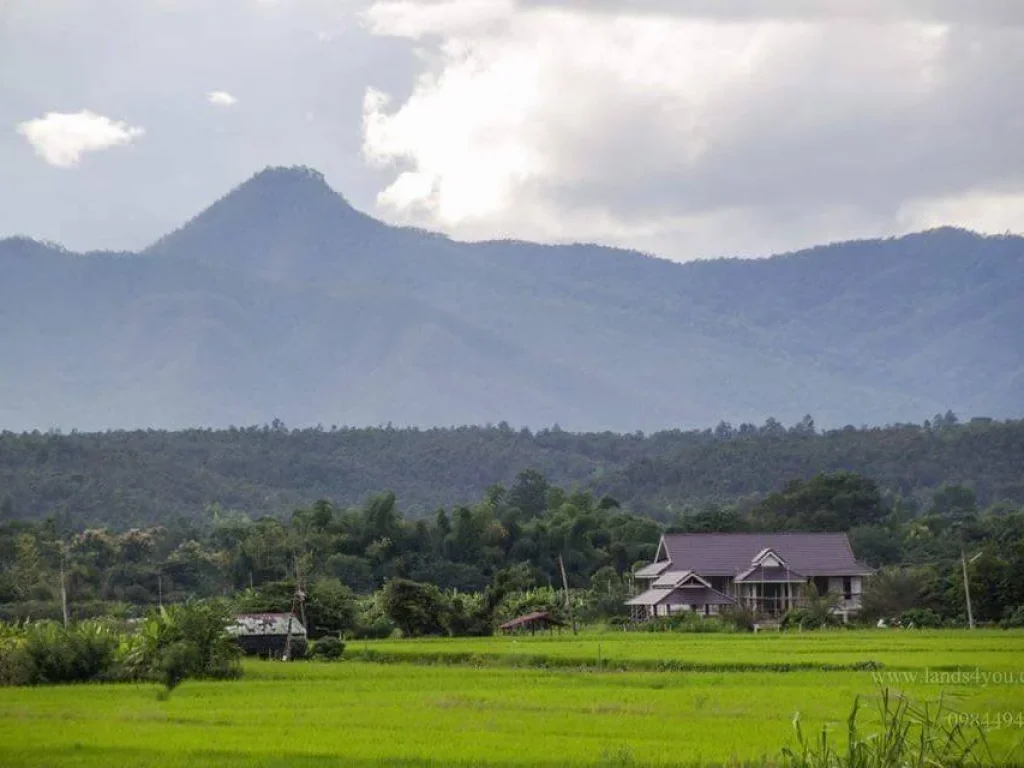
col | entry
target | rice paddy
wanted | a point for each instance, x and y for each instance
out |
(735, 701)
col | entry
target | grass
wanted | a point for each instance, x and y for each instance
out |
(359, 714)
(767, 651)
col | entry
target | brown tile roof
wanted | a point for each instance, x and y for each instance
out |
(728, 554)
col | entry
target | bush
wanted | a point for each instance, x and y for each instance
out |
(805, 618)
(415, 608)
(15, 664)
(80, 653)
(327, 649)
(180, 641)
(371, 622)
(924, 618)
(687, 621)
(742, 618)
(1013, 618)
(468, 615)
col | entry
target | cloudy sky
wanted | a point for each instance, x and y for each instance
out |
(687, 128)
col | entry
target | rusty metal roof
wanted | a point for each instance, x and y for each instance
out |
(542, 617)
(263, 624)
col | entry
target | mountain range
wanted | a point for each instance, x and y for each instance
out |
(282, 301)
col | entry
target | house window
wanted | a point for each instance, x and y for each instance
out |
(847, 588)
(821, 585)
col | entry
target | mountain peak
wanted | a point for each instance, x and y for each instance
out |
(296, 181)
(282, 222)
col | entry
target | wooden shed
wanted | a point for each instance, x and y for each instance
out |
(266, 634)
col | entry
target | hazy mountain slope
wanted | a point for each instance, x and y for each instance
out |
(109, 340)
(281, 300)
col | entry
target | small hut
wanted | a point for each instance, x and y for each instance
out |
(531, 622)
(266, 634)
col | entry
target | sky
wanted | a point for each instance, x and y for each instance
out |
(684, 128)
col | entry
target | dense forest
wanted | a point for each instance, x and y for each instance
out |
(465, 566)
(125, 479)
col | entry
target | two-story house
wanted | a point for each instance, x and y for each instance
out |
(768, 573)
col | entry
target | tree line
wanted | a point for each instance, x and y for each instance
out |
(465, 567)
(136, 479)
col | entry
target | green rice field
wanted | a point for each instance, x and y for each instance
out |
(487, 702)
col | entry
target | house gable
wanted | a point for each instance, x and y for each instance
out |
(768, 558)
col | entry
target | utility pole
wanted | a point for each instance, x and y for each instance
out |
(568, 602)
(63, 590)
(967, 586)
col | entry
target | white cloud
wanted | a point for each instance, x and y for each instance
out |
(221, 99)
(689, 135)
(415, 19)
(62, 138)
(999, 12)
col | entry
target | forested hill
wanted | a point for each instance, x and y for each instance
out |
(282, 300)
(147, 477)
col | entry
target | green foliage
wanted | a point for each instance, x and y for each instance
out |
(1014, 618)
(81, 653)
(485, 562)
(893, 591)
(371, 622)
(145, 477)
(327, 649)
(687, 621)
(181, 641)
(920, 618)
(817, 612)
(416, 609)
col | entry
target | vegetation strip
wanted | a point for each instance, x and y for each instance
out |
(622, 665)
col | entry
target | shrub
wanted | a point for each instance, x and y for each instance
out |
(921, 618)
(180, 641)
(15, 664)
(415, 608)
(80, 653)
(1013, 618)
(371, 622)
(687, 621)
(808, 618)
(741, 617)
(327, 648)
(468, 615)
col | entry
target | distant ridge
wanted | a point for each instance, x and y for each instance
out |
(281, 299)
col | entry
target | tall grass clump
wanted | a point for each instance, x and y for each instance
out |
(908, 735)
